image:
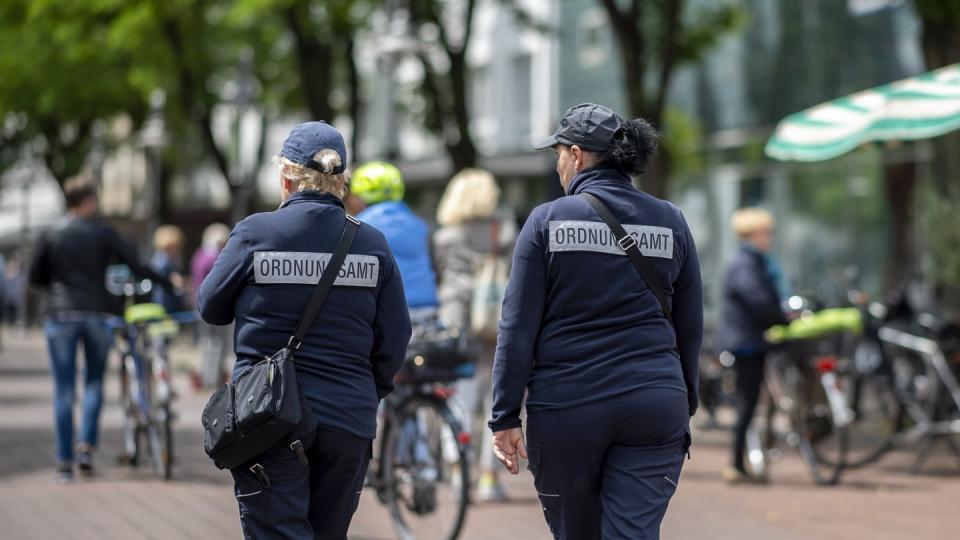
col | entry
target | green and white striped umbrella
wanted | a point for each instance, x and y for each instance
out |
(920, 107)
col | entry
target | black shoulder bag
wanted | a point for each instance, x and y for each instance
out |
(629, 245)
(263, 406)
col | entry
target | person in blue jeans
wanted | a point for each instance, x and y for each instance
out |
(69, 263)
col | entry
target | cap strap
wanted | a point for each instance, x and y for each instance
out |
(316, 166)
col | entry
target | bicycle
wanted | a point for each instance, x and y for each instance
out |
(805, 406)
(905, 388)
(422, 470)
(146, 391)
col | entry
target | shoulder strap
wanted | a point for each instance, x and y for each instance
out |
(322, 290)
(629, 245)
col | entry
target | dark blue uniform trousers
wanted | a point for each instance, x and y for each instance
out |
(304, 501)
(608, 469)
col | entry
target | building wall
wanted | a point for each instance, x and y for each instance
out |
(789, 55)
(513, 94)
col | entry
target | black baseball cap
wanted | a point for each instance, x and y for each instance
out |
(588, 125)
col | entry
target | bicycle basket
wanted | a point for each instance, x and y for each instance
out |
(439, 354)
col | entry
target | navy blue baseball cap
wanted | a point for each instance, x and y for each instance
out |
(311, 137)
(588, 125)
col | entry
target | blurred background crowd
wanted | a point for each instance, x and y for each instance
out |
(175, 109)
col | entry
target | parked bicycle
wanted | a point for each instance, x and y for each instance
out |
(142, 336)
(804, 403)
(422, 469)
(904, 386)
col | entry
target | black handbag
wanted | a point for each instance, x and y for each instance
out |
(439, 354)
(263, 405)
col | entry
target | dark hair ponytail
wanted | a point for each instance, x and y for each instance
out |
(632, 146)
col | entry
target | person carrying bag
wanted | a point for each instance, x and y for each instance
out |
(295, 426)
(262, 407)
(488, 289)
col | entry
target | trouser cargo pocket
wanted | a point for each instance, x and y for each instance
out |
(547, 489)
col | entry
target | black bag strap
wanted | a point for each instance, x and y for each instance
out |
(629, 245)
(322, 290)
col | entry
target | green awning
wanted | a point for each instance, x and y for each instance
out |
(920, 107)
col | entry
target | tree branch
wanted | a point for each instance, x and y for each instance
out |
(431, 90)
(668, 58)
(188, 94)
(468, 29)
(617, 18)
(311, 56)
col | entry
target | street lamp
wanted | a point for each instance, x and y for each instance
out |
(153, 139)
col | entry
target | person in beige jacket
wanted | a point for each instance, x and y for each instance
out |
(473, 226)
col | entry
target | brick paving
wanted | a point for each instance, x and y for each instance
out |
(882, 502)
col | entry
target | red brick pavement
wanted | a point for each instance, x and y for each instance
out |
(878, 503)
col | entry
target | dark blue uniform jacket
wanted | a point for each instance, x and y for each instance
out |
(263, 279)
(751, 304)
(579, 325)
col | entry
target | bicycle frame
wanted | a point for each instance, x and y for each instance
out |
(928, 425)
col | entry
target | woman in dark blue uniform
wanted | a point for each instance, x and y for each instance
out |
(263, 278)
(611, 382)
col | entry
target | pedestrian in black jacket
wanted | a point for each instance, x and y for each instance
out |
(753, 287)
(70, 263)
(611, 382)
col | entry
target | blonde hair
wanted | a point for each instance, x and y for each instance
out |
(471, 194)
(167, 237)
(215, 235)
(747, 221)
(308, 179)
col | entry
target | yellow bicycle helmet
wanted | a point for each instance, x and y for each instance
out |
(376, 182)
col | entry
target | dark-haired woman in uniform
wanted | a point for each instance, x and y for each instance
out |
(611, 382)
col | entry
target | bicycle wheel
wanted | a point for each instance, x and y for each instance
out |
(131, 414)
(160, 439)
(823, 434)
(425, 471)
(869, 388)
(160, 427)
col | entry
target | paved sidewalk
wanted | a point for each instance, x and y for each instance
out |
(876, 504)
(128, 504)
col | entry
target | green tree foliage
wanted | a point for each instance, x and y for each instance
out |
(61, 71)
(67, 63)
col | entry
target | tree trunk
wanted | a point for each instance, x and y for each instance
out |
(941, 47)
(654, 179)
(313, 63)
(353, 84)
(901, 179)
(463, 152)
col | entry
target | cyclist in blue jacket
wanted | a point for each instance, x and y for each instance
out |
(263, 279)
(610, 382)
(380, 187)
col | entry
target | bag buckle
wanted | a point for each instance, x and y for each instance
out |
(294, 346)
(352, 219)
(627, 242)
(261, 475)
(297, 448)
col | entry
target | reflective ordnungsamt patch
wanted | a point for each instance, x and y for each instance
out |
(597, 237)
(297, 267)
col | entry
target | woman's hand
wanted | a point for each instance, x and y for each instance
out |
(509, 447)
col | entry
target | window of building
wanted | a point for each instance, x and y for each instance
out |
(520, 95)
(594, 46)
